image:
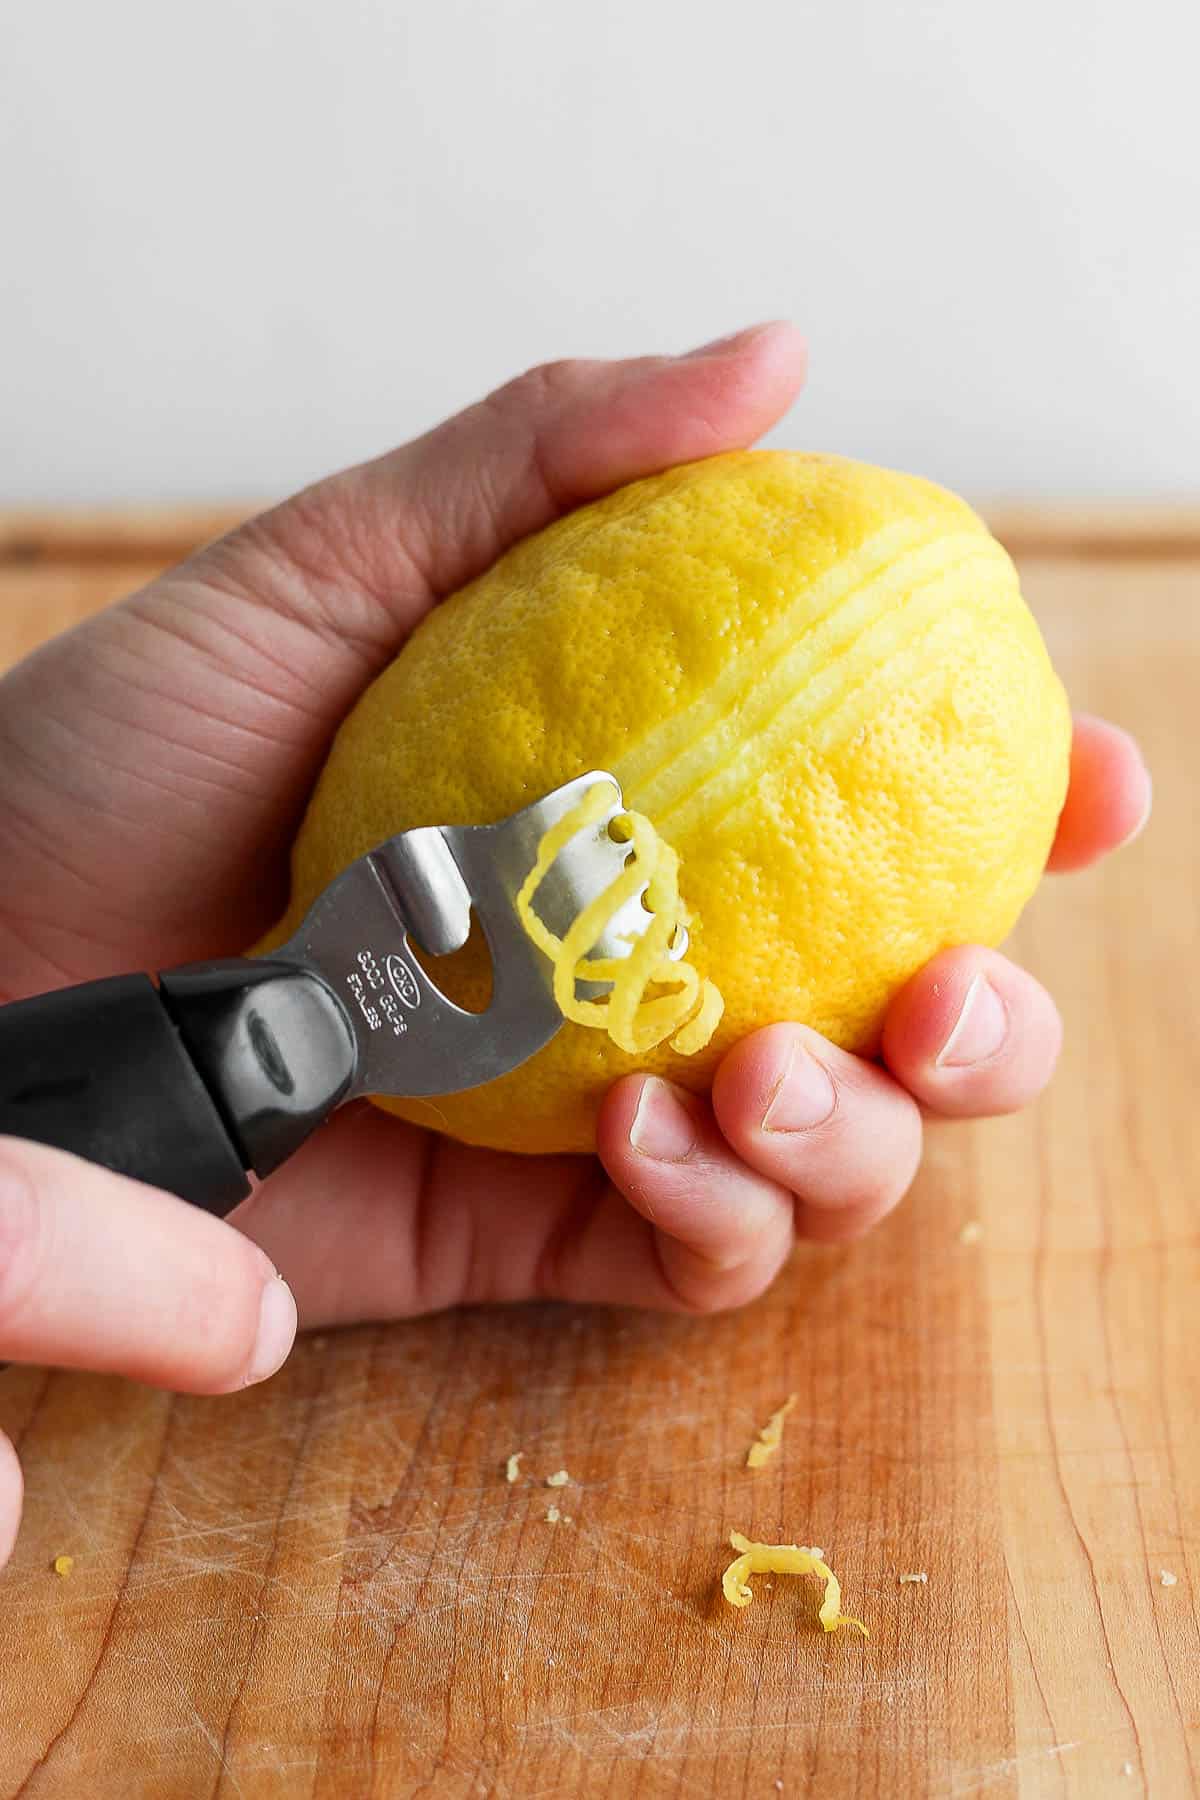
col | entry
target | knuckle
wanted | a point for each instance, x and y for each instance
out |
(314, 559)
(870, 1155)
(704, 1293)
(544, 385)
(707, 1303)
(896, 1156)
(717, 1279)
(22, 1242)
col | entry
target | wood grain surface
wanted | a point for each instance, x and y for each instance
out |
(325, 1587)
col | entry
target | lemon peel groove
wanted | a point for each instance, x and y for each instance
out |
(688, 1012)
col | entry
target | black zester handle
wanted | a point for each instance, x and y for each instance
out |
(102, 1070)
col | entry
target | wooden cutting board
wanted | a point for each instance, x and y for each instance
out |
(325, 1587)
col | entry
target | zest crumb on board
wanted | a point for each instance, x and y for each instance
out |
(771, 1435)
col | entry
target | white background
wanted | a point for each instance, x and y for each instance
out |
(245, 241)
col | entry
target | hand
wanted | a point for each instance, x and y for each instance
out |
(154, 764)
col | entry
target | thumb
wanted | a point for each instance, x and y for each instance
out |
(99, 1272)
(169, 745)
(362, 555)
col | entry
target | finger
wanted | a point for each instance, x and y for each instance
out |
(156, 761)
(11, 1494)
(560, 435)
(448, 1224)
(972, 1034)
(102, 1273)
(836, 1131)
(721, 1229)
(1108, 798)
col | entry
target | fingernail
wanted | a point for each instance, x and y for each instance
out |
(804, 1095)
(979, 1030)
(276, 1330)
(662, 1128)
(1146, 810)
(717, 345)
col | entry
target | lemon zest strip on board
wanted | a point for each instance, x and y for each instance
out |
(784, 1559)
(770, 1437)
(690, 1011)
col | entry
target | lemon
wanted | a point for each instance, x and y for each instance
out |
(819, 682)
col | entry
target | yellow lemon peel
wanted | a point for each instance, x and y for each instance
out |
(784, 1559)
(818, 679)
(771, 1435)
(689, 1013)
